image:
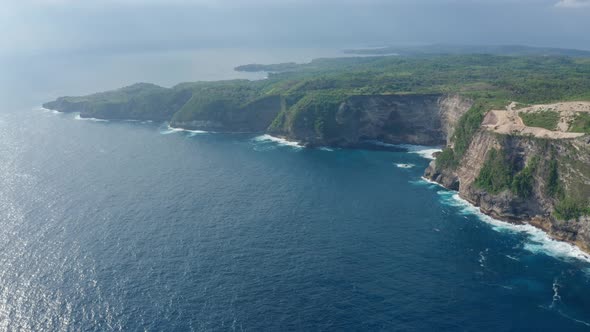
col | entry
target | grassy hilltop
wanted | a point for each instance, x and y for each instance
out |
(316, 89)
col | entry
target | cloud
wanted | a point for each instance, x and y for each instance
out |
(37, 26)
(573, 3)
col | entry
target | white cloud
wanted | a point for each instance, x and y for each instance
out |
(573, 3)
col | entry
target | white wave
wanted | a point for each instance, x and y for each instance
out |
(138, 121)
(482, 257)
(325, 148)
(421, 150)
(426, 152)
(405, 165)
(512, 258)
(280, 141)
(46, 110)
(556, 297)
(78, 117)
(538, 240)
(171, 130)
(424, 180)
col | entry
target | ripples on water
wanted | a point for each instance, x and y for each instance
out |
(118, 225)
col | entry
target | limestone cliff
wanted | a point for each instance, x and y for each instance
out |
(398, 119)
(555, 175)
(254, 117)
(140, 101)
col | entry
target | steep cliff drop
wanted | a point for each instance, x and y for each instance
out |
(522, 174)
(397, 119)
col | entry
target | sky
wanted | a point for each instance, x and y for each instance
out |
(94, 26)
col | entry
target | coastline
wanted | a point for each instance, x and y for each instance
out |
(567, 249)
(427, 152)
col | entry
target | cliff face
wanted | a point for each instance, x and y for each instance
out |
(255, 117)
(63, 104)
(141, 101)
(559, 172)
(517, 178)
(397, 119)
(425, 119)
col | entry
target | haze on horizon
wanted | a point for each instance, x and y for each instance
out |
(68, 26)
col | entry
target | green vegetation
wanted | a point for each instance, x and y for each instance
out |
(212, 101)
(522, 183)
(496, 174)
(317, 110)
(543, 119)
(499, 173)
(305, 98)
(581, 123)
(142, 101)
(569, 208)
(446, 159)
(489, 80)
(468, 124)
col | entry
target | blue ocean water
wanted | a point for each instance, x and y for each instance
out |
(121, 225)
(132, 226)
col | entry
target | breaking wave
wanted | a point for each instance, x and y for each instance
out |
(171, 130)
(405, 165)
(277, 141)
(538, 241)
(78, 117)
(46, 110)
(325, 148)
(421, 150)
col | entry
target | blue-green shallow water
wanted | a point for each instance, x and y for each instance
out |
(118, 225)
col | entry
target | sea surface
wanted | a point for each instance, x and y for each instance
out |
(134, 226)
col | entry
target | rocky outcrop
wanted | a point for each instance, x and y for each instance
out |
(316, 118)
(572, 159)
(141, 101)
(65, 105)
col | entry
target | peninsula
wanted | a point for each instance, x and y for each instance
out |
(514, 127)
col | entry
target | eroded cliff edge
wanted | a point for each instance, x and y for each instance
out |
(424, 119)
(542, 181)
(512, 176)
(312, 120)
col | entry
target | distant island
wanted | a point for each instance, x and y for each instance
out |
(440, 49)
(514, 121)
(279, 67)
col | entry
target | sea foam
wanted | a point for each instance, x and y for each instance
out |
(538, 241)
(325, 148)
(78, 117)
(46, 110)
(405, 165)
(421, 150)
(171, 130)
(277, 140)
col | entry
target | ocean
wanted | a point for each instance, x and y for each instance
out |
(116, 225)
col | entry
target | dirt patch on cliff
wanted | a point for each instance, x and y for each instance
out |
(508, 121)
